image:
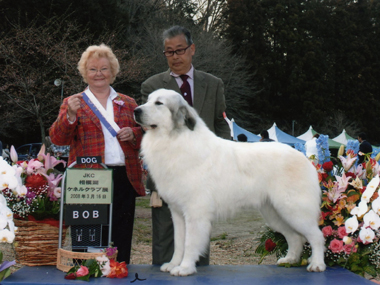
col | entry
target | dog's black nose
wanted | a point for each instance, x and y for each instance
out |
(137, 111)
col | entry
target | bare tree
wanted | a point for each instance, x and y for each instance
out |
(337, 122)
(32, 58)
(208, 14)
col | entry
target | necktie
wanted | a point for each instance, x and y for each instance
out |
(186, 90)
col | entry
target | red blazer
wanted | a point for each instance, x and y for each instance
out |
(85, 136)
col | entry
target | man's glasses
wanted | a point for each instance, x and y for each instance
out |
(95, 71)
(180, 51)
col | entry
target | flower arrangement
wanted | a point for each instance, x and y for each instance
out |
(350, 215)
(7, 235)
(31, 188)
(102, 266)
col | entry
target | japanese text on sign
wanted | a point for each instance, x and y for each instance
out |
(88, 186)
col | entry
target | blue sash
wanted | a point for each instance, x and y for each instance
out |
(99, 115)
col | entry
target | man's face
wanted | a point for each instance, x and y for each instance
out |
(179, 64)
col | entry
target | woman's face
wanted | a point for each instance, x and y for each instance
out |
(98, 72)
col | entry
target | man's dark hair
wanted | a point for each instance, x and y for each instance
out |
(264, 134)
(363, 136)
(176, 31)
(242, 138)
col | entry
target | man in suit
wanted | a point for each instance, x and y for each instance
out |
(206, 96)
(364, 147)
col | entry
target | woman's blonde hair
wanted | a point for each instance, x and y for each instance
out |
(98, 52)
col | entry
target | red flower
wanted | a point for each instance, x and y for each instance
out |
(328, 166)
(350, 174)
(36, 183)
(269, 245)
(70, 276)
(324, 176)
(118, 270)
(325, 214)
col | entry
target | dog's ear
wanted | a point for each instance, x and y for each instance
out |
(189, 119)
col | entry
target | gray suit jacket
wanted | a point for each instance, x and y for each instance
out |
(208, 97)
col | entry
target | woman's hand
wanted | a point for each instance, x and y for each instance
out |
(126, 134)
(74, 105)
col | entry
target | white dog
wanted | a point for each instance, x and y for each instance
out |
(203, 178)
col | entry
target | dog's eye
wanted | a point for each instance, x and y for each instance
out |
(158, 103)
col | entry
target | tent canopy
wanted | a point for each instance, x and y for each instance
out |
(238, 130)
(343, 138)
(279, 136)
(308, 135)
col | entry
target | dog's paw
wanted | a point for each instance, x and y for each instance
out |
(167, 267)
(287, 260)
(316, 267)
(183, 271)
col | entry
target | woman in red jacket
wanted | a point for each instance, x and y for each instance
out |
(108, 131)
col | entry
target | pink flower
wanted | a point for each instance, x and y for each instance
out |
(111, 251)
(349, 248)
(342, 232)
(119, 102)
(33, 166)
(327, 231)
(82, 271)
(336, 245)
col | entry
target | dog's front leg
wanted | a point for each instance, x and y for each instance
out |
(179, 241)
(198, 230)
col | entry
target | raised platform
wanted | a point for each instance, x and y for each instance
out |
(212, 274)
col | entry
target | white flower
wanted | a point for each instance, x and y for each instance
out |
(366, 235)
(5, 168)
(6, 236)
(347, 162)
(20, 190)
(3, 221)
(3, 202)
(14, 156)
(376, 205)
(371, 219)
(104, 264)
(371, 188)
(361, 209)
(8, 181)
(57, 192)
(357, 183)
(351, 224)
(347, 240)
(360, 172)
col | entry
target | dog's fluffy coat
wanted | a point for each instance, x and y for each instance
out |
(203, 178)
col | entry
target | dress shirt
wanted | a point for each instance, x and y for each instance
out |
(113, 153)
(190, 79)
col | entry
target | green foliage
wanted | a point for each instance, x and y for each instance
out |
(222, 236)
(46, 208)
(143, 202)
(280, 248)
(311, 59)
(5, 273)
(93, 269)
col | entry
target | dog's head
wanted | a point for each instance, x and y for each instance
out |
(165, 109)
